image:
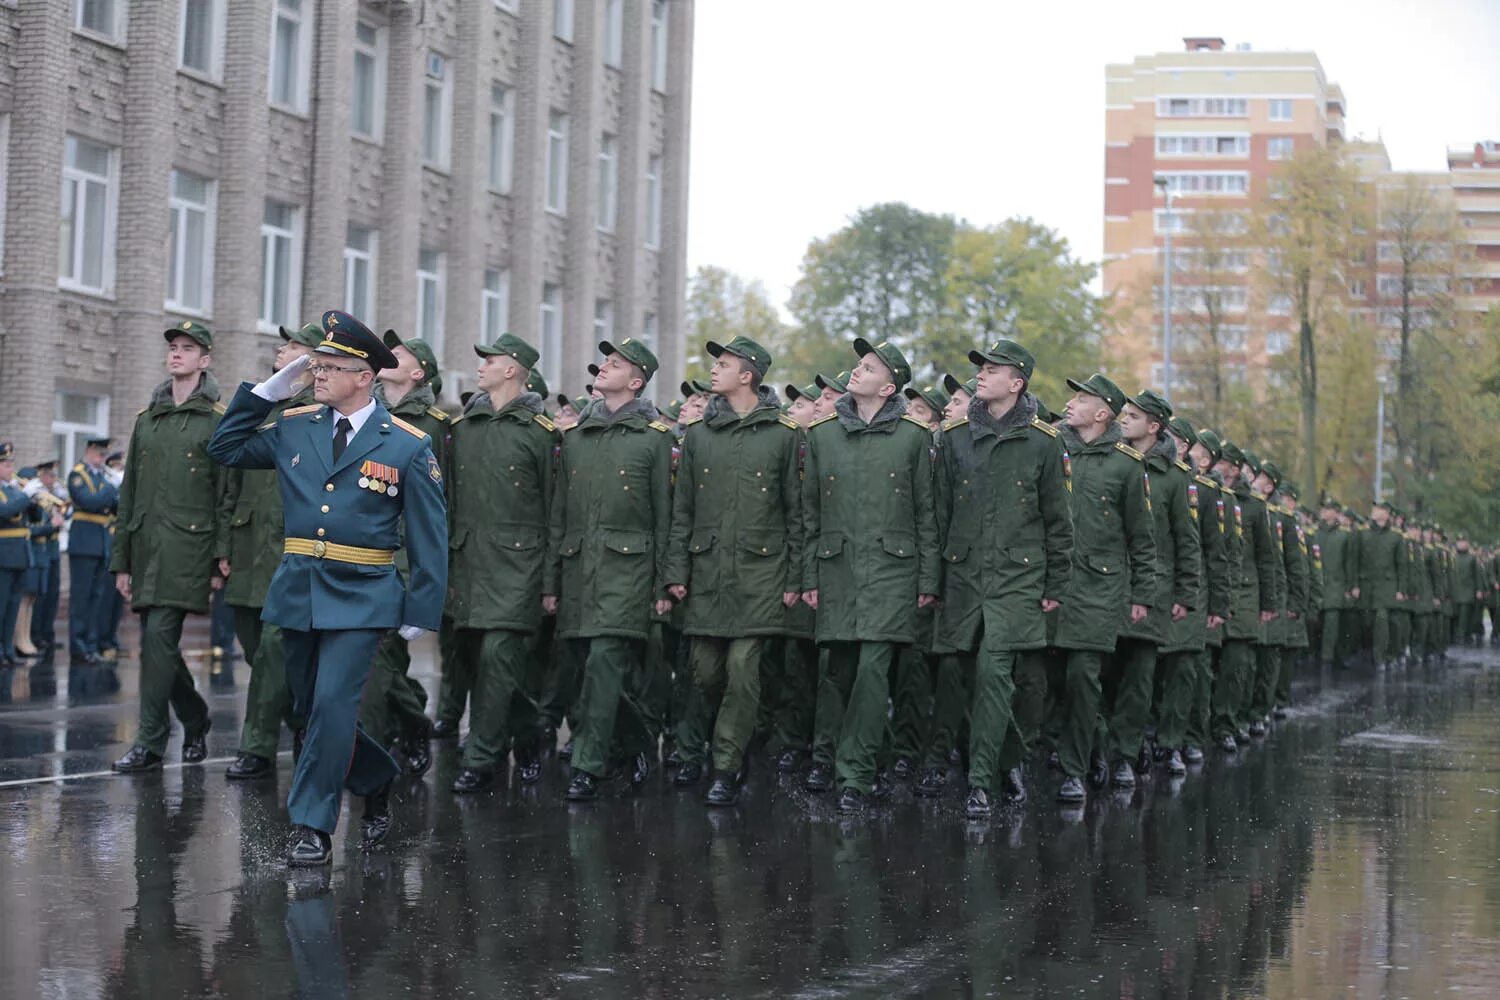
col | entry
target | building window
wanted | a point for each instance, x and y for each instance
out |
(502, 136)
(280, 265)
(494, 303)
(653, 202)
(648, 331)
(1357, 288)
(77, 417)
(190, 244)
(430, 267)
(557, 163)
(1236, 145)
(1278, 342)
(86, 243)
(604, 320)
(367, 101)
(4, 163)
(609, 182)
(552, 326)
(100, 17)
(1174, 222)
(437, 111)
(359, 271)
(1281, 109)
(202, 48)
(1279, 148)
(1230, 182)
(562, 19)
(1279, 305)
(291, 53)
(1201, 107)
(614, 33)
(659, 45)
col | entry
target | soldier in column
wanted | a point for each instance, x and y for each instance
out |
(1301, 583)
(1007, 540)
(959, 396)
(95, 499)
(1114, 570)
(1292, 570)
(1382, 567)
(871, 560)
(172, 547)
(112, 609)
(501, 476)
(831, 388)
(255, 542)
(1467, 591)
(1205, 455)
(1336, 547)
(606, 555)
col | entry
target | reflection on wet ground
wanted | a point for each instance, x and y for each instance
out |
(1353, 852)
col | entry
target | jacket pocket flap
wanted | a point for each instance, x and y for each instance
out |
(956, 552)
(830, 546)
(192, 523)
(521, 539)
(1026, 557)
(1103, 564)
(701, 541)
(571, 545)
(762, 543)
(242, 517)
(898, 544)
(628, 543)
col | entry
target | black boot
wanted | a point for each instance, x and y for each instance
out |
(851, 801)
(195, 750)
(819, 778)
(1124, 774)
(1098, 770)
(1012, 789)
(471, 780)
(1071, 790)
(376, 822)
(932, 782)
(978, 804)
(136, 760)
(688, 773)
(583, 788)
(724, 791)
(248, 767)
(309, 848)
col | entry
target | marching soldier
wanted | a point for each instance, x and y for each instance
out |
(355, 483)
(1339, 551)
(172, 545)
(1382, 563)
(1467, 593)
(95, 499)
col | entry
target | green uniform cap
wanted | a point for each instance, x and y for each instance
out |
(890, 354)
(838, 383)
(200, 334)
(695, 387)
(308, 335)
(1271, 469)
(807, 392)
(1183, 429)
(932, 395)
(1007, 352)
(1230, 452)
(1250, 458)
(420, 349)
(674, 409)
(1386, 504)
(1099, 385)
(1289, 490)
(535, 383)
(749, 350)
(511, 346)
(1153, 404)
(633, 351)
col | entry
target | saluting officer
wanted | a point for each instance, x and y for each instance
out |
(355, 483)
(95, 500)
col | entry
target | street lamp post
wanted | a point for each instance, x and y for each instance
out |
(1380, 442)
(1166, 305)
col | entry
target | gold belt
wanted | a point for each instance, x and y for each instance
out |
(320, 549)
(14, 532)
(83, 515)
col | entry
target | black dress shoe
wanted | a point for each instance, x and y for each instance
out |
(83, 660)
(248, 767)
(1124, 775)
(1192, 754)
(787, 761)
(881, 787)
(1227, 744)
(1071, 790)
(851, 801)
(1098, 773)
(932, 782)
(1257, 729)
(640, 770)
(1242, 736)
(566, 753)
(376, 822)
(1054, 762)
(819, 778)
(583, 788)
(442, 729)
(195, 750)
(687, 774)
(1279, 712)
(978, 804)
(471, 779)
(309, 848)
(672, 758)
(136, 760)
(902, 768)
(416, 748)
(1012, 788)
(528, 762)
(298, 735)
(724, 791)
(1175, 763)
(955, 757)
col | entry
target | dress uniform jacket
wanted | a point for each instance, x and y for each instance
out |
(1114, 551)
(1179, 559)
(1207, 509)
(324, 502)
(872, 544)
(501, 486)
(1005, 527)
(15, 531)
(255, 526)
(95, 500)
(173, 516)
(610, 519)
(736, 539)
(1286, 630)
(1260, 580)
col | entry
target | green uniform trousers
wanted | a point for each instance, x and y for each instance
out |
(1382, 636)
(861, 673)
(611, 720)
(726, 673)
(502, 709)
(268, 702)
(1125, 681)
(1198, 729)
(166, 685)
(564, 682)
(1009, 694)
(1268, 667)
(1231, 685)
(1332, 645)
(1177, 685)
(911, 702)
(790, 693)
(1074, 679)
(394, 705)
(1401, 631)
(953, 691)
(458, 673)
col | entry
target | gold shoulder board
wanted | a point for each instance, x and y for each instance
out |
(543, 419)
(1205, 481)
(657, 425)
(689, 423)
(297, 411)
(911, 419)
(408, 428)
(948, 425)
(220, 408)
(787, 421)
(1182, 465)
(1042, 426)
(821, 420)
(437, 414)
(78, 467)
(1122, 446)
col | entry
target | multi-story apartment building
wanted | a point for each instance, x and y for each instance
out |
(453, 169)
(1474, 174)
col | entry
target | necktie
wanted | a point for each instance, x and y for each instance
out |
(341, 437)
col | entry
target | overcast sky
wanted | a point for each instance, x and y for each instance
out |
(806, 110)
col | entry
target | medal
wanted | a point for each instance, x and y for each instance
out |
(364, 482)
(390, 491)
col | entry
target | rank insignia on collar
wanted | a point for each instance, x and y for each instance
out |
(296, 459)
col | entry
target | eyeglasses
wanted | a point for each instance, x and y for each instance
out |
(317, 370)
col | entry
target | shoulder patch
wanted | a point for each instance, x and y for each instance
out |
(787, 421)
(1182, 465)
(408, 428)
(142, 410)
(544, 420)
(657, 425)
(1205, 481)
(437, 414)
(948, 425)
(821, 420)
(913, 420)
(78, 467)
(455, 420)
(297, 411)
(1042, 426)
(1121, 446)
(688, 423)
(220, 409)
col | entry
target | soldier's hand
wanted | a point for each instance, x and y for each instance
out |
(1266, 617)
(1354, 593)
(122, 585)
(810, 598)
(926, 600)
(410, 632)
(678, 591)
(283, 384)
(1049, 605)
(664, 606)
(549, 604)
(224, 567)
(1138, 613)
(216, 582)
(1215, 621)
(789, 598)
(1178, 612)
(57, 520)
(1400, 596)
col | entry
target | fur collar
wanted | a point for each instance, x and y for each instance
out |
(885, 420)
(1018, 416)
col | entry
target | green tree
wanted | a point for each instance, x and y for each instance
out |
(721, 306)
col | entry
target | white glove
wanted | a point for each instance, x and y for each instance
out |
(33, 487)
(115, 476)
(410, 632)
(283, 384)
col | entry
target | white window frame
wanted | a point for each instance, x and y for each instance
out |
(653, 201)
(1276, 105)
(438, 74)
(432, 289)
(501, 154)
(650, 332)
(1279, 304)
(354, 257)
(562, 20)
(494, 304)
(556, 175)
(509, 6)
(303, 56)
(1202, 145)
(604, 320)
(73, 432)
(178, 212)
(111, 181)
(614, 33)
(1206, 183)
(1278, 342)
(376, 53)
(550, 327)
(659, 41)
(1190, 106)
(293, 236)
(217, 21)
(115, 35)
(609, 183)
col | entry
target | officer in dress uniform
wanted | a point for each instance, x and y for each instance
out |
(44, 615)
(95, 498)
(356, 483)
(15, 547)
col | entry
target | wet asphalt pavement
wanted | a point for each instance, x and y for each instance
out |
(1354, 852)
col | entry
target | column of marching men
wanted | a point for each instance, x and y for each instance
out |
(858, 580)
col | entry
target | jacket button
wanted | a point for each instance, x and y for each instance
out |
(625, 548)
(325, 508)
(321, 532)
(328, 487)
(192, 527)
